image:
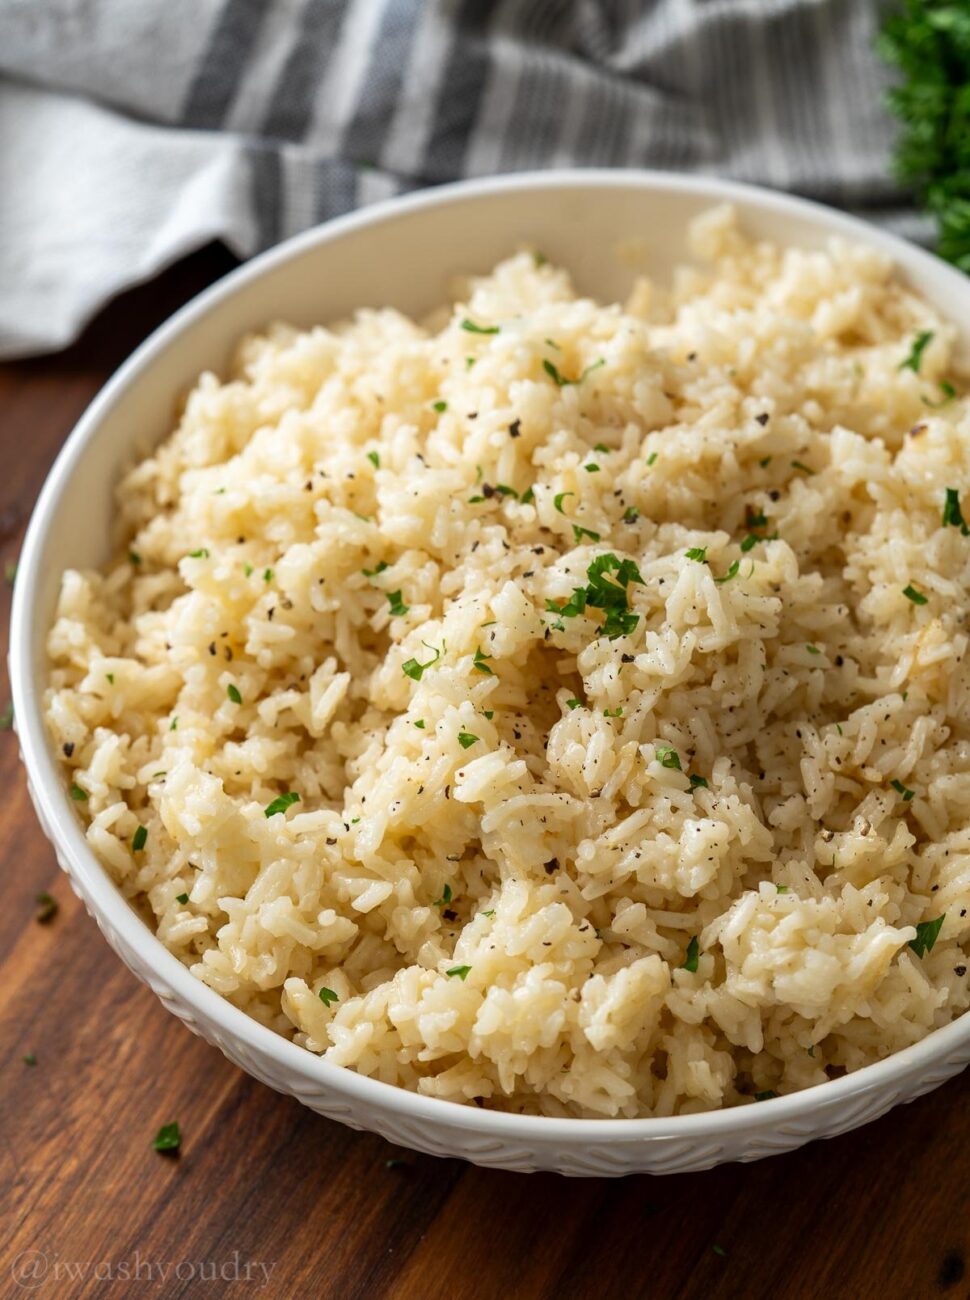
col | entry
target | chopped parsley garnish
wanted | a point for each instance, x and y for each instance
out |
(139, 839)
(504, 490)
(904, 790)
(168, 1138)
(575, 605)
(374, 459)
(200, 554)
(446, 897)
(6, 716)
(398, 606)
(488, 714)
(611, 597)
(652, 458)
(30, 1058)
(267, 575)
(698, 553)
(372, 573)
(182, 898)
(915, 596)
(767, 1095)
(948, 391)
(719, 1250)
(480, 663)
(591, 469)
(77, 794)
(731, 573)
(580, 533)
(698, 782)
(915, 358)
(466, 739)
(420, 724)
(755, 519)
(927, 933)
(46, 908)
(472, 328)
(750, 542)
(233, 692)
(539, 259)
(489, 913)
(805, 469)
(281, 803)
(248, 570)
(553, 344)
(693, 952)
(813, 649)
(327, 996)
(952, 514)
(527, 496)
(573, 704)
(560, 380)
(440, 406)
(783, 889)
(133, 556)
(174, 726)
(667, 756)
(111, 678)
(630, 515)
(411, 668)
(599, 446)
(460, 971)
(613, 713)
(559, 498)
(764, 462)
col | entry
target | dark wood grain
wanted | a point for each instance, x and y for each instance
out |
(262, 1182)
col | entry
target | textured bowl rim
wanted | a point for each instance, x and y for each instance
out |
(108, 904)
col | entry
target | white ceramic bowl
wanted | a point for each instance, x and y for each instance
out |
(403, 253)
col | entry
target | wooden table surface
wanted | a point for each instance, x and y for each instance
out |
(267, 1197)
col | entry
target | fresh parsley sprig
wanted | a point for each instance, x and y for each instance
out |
(928, 42)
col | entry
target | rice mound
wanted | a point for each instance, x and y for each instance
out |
(604, 808)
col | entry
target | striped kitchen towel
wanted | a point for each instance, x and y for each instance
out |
(132, 131)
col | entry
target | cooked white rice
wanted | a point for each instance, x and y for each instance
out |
(502, 882)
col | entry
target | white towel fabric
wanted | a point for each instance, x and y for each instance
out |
(133, 131)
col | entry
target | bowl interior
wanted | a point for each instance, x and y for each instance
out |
(605, 227)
